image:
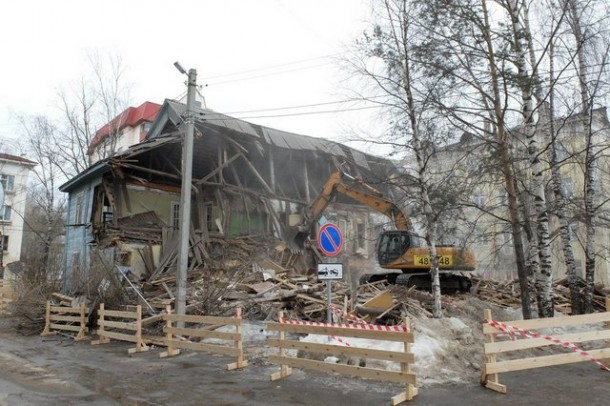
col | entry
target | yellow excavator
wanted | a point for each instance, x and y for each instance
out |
(397, 250)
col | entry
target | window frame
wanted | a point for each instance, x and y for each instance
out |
(7, 180)
(3, 211)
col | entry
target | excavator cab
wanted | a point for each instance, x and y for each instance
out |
(393, 244)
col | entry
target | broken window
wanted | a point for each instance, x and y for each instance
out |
(175, 215)
(361, 235)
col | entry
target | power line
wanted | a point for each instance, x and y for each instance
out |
(305, 113)
(268, 74)
(362, 99)
(268, 67)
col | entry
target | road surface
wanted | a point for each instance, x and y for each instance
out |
(56, 370)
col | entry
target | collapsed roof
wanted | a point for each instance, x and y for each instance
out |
(231, 152)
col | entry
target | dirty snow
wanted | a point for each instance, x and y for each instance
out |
(447, 350)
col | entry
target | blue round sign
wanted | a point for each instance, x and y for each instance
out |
(330, 240)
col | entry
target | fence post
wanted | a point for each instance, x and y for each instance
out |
(47, 317)
(168, 334)
(405, 367)
(83, 323)
(140, 346)
(239, 344)
(102, 339)
(284, 369)
(490, 381)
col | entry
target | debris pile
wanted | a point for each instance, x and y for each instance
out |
(261, 276)
(507, 294)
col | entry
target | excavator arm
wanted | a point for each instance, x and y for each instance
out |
(360, 192)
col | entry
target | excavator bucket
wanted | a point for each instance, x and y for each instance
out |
(295, 238)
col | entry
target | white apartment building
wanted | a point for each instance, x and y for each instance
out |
(14, 172)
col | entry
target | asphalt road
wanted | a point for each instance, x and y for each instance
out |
(56, 370)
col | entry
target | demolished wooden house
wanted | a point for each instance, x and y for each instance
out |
(248, 180)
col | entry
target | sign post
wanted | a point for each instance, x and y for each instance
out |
(330, 242)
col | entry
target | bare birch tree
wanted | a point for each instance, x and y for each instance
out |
(529, 85)
(466, 52)
(46, 207)
(94, 100)
(390, 43)
(587, 24)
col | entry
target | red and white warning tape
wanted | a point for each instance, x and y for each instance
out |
(347, 326)
(513, 331)
(341, 314)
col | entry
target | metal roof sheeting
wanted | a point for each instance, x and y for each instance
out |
(278, 138)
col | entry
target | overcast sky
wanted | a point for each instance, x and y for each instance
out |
(253, 55)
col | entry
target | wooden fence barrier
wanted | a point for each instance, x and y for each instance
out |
(198, 330)
(6, 296)
(383, 333)
(62, 318)
(130, 330)
(528, 339)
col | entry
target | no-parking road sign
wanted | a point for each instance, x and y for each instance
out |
(330, 240)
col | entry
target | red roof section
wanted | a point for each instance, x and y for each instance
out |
(131, 117)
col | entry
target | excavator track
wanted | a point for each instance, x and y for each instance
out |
(450, 283)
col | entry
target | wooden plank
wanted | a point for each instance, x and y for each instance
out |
(73, 319)
(498, 387)
(552, 322)
(121, 314)
(543, 361)
(525, 343)
(262, 287)
(120, 325)
(76, 310)
(336, 350)
(202, 333)
(343, 332)
(188, 318)
(382, 300)
(219, 349)
(62, 297)
(311, 299)
(352, 370)
(65, 327)
(117, 336)
(403, 397)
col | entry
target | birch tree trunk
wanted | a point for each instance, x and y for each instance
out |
(544, 275)
(590, 159)
(559, 198)
(402, 40)
(506, 165)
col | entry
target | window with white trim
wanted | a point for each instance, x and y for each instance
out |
(5, 213)
(8, 182)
